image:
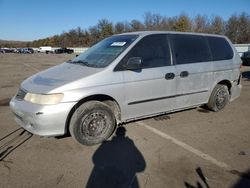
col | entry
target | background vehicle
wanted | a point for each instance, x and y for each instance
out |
(17, 50)
(6, 50)
(2, 50)
(64, 50)
(246, 58)
(45, 49)
(26, 51)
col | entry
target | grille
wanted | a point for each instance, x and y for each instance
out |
(21, 94)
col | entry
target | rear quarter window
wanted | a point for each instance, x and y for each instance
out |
(220, 48)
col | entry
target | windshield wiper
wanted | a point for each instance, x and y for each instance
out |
(80, 62)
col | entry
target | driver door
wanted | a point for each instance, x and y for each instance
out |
(151, 89)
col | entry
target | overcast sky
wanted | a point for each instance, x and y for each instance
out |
(31, 19)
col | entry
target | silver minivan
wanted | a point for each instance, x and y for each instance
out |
(126, 77)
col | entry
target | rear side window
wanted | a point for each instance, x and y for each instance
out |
(220, 48)
(153, 49)
(190, 48)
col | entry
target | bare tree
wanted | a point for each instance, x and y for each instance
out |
(217, 25)
(243, 28)
(136, 25)
(201, 24)
(105, 28)
(148, 21)
(152, 21)
(232, 29)
(121, 27)
(95, 35)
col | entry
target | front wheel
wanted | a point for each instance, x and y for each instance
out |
(92, 123)
(219, 98)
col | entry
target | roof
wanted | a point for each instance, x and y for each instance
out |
(144, 33)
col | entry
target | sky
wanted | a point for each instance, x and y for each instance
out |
(28, 20)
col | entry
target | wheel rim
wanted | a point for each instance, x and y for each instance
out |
(94, 125)
(221, 98)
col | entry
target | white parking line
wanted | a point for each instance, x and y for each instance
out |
(186, 147)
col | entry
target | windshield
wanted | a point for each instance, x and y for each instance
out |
(105, 51)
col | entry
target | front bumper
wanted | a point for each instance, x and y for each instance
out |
(43, 120)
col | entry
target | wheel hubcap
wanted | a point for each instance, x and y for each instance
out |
(93, 125)
(221, 98)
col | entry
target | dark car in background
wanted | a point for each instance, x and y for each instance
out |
(6, 50)
(2, 50)
(64, 50)
(26, 51)
(246, 58)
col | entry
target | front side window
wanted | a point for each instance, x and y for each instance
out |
(152, 49)
(105, 51)
(190, 48)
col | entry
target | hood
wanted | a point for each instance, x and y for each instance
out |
(52, 78)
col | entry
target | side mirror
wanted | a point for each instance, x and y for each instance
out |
(134, 63)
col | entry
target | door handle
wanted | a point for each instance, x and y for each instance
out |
(184, 74)
(169, 76)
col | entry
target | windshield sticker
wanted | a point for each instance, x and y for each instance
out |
(118, 44)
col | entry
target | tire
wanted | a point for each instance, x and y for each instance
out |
(219, 98)
(92, 123)
(247, 62)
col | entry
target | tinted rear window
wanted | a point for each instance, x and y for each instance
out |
(220, 48)
(190, 48)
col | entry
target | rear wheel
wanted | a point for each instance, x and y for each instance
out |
(219, 98)
(92, 123)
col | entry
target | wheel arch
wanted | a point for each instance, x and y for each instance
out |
(110, 101)
(226, 83)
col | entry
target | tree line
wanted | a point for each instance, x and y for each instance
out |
(236, 28)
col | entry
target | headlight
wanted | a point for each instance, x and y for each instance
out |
(43, 98)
